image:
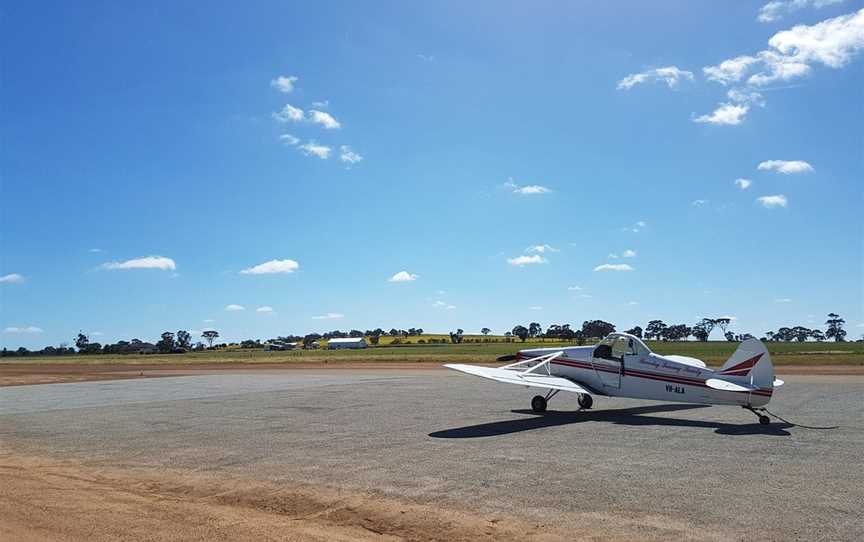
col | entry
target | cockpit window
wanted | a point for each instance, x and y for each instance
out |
(616, 347)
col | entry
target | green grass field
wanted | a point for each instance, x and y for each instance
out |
(714, 353)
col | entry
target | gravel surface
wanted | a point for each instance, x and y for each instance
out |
(458, 442)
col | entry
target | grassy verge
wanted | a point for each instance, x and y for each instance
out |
(712, 352)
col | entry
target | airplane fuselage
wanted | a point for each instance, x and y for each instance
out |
(643, 376)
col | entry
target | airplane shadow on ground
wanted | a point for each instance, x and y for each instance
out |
(622, 416)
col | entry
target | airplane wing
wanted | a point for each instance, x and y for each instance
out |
(510, 376)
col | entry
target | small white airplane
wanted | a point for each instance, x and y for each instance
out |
(622, 366)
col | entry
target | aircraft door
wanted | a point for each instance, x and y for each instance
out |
(608, 360)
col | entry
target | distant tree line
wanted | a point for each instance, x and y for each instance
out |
(657, 330)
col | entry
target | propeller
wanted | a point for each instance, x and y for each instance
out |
(508, 357)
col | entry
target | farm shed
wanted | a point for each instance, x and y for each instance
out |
(351, 342)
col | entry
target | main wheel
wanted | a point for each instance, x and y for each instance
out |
(538, 403)
(764, 420)
(585, 401)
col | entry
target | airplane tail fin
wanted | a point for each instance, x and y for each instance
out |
(751, 361)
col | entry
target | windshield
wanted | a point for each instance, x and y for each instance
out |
(616, 346)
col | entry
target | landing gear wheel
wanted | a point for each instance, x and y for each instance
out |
(764, 420)
(538, 403)
(585, 401)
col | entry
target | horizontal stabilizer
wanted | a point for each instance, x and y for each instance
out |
(725, 385)
(510, 376)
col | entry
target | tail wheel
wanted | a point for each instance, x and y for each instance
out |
(585, 401)
(538, 403)
(764, 420)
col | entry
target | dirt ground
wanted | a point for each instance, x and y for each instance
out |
(45, 500)
(18, 374)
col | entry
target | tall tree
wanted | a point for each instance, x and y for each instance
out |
(800, 333)
(485, 331)
(184, 339)
(701, 331)
(535, 329)
(166, 343)
(81, 341)
(210, 335)
(654, 330)
(597, 328)
(636, 331)
(835, 328)
(521, 332)
(708, 325)
(722, 323)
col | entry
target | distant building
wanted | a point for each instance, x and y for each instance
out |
(350, 342)
(139, 347)
(280, 346)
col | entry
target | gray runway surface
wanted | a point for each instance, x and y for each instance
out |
(459, 441)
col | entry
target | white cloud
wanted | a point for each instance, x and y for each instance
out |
(348, 156)
(284, 83)
(313, 148)
(632, 303)
(329, 316)
(234, 308)
(443, 305)
(28, 329)
(403, 276)
(209, 321)
(776, 9)
(321, 105)
(783, 300)
(730, 71)
(725, 114)
(265, 309)
(525, 190)
(671, 75)
(95, 250)
(635, 228)
(289, 139)
(324, 119)
(773, 201)
(12, 278)
(575, 288)
(792, 53)
(699, 202)
(743, 184)
(535, 308)
(147, 262)
(532, 189)
(614, 267)
(526, 260)
(586, 296)
(541, 249)
(289, 113)
(746, 97)
(628, 254)
(272, 267)
(786, 167)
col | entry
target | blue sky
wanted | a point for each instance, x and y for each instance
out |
(148, 159)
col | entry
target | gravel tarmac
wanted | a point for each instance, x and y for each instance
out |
(626, 468)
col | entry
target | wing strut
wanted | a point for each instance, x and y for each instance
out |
(540, 362)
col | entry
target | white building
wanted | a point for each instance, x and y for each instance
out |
(351, 342)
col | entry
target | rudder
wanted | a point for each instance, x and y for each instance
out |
(751, 362)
